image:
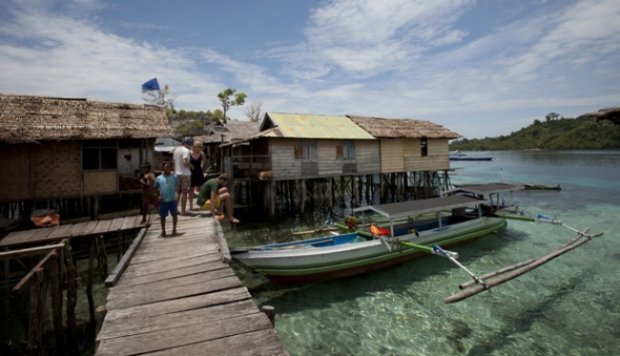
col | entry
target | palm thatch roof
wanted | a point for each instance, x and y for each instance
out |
(233, 131)
(25, 118)
(402, 128)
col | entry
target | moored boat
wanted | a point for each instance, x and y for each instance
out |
(402, 238)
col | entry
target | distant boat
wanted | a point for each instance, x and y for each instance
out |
(531, 186)
(459, 156)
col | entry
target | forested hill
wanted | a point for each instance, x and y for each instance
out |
(588, 131)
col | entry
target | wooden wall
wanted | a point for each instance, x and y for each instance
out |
(57, 169)
(283, 162)
(368, 156)
(14, 172)
(285, 166)
(405, 155)
(392, 155)
(51, 169)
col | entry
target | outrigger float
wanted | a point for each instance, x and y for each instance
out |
(411, 229)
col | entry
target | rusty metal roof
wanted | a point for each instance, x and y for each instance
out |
(311, 127)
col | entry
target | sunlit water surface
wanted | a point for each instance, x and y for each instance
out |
(566, 307)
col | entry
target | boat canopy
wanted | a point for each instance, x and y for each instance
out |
(489, 188)
(408, 208)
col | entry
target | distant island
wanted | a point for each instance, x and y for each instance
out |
(598, 130)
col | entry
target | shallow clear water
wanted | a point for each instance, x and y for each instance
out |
(566, 307)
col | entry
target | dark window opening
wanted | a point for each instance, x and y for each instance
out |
(99, 154)
(306, 151)
(424, 147)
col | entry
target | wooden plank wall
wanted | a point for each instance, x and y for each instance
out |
(178, 297)
(436, 160)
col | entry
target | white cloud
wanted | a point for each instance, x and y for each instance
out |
(391, 58)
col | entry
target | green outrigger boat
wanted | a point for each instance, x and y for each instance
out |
(455, 219)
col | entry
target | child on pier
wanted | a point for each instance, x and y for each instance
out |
(149, 195)
(167, 185)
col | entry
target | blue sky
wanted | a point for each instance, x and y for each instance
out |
(481, 68)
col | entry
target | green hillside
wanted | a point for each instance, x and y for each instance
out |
(565, 133)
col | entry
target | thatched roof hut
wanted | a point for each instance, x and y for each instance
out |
(402, 128)
(233, 131)
(25, 118)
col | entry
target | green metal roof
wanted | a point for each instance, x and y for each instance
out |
(311, 127)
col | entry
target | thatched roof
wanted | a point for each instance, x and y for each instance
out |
(25, 118)
(233, 131)
(402, 128)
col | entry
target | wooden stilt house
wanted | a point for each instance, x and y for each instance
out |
(300, 159)
(65, 154)
(413, 155)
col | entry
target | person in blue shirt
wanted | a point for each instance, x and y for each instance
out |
(167, 185)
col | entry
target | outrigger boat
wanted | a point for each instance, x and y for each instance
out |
(456, 219)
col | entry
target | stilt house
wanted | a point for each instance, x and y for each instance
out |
(61, 152)
(322, 159)
(413, 153)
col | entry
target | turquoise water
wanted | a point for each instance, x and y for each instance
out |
(566, 307)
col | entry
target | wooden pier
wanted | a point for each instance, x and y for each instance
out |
(178, 295)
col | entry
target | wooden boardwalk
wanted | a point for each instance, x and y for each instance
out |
(56, 233)
(178, 296)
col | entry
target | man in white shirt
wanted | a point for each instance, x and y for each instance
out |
(182, 169)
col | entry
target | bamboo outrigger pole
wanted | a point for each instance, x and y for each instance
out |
(511, 272)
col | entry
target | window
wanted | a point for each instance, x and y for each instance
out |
(424, 147)
(306, 151)
(345, 150)
(99, 154)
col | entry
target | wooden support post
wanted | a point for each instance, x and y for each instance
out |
(56, 297)
(270, 311)
(102, 254)
(71, 299)
(36, 317)
(302, 196)
(89, 285)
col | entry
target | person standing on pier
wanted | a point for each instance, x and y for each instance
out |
(197, 160)
(182, 169)
(167, 185)
(214, 196)
(149, 195)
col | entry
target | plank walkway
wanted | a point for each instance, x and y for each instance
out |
(178, 296)
(53, 234)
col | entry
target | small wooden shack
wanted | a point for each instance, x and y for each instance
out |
(322, 159)
(63, 153)
(304, 146)
(413, 153)
(223, 141)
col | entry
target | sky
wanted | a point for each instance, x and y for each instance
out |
(481, 68)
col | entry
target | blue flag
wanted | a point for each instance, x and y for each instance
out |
(150, 85)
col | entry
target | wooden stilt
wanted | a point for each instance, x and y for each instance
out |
(56, 298)
(71, 299)
(89, 285)
(36, 317)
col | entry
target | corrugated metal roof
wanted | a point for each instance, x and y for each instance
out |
(311, 127)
